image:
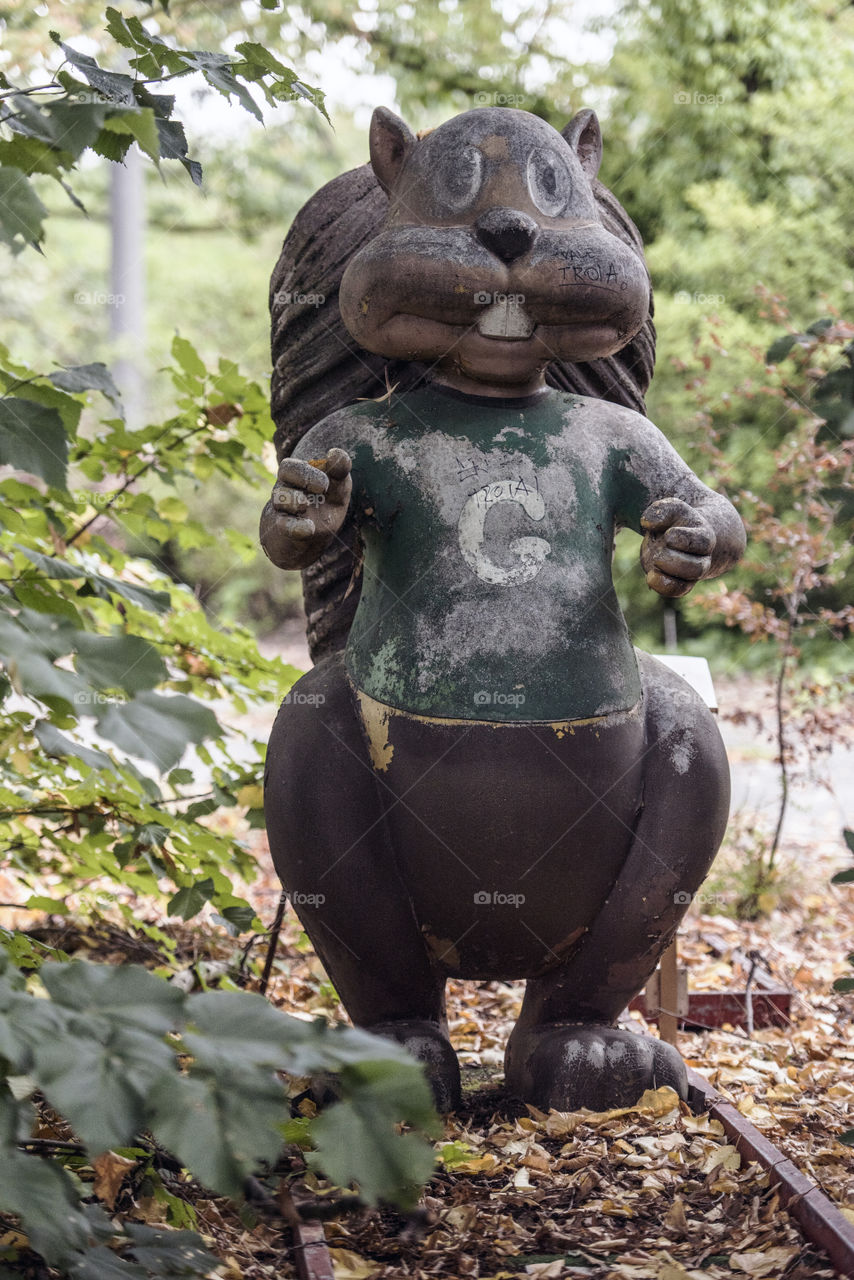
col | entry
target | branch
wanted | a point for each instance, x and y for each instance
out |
(123, 488)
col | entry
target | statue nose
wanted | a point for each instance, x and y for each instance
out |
(508, 233)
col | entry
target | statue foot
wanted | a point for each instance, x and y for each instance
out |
(431, 1046)
(566, 1067)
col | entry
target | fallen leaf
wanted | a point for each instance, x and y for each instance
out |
(726, 1157)
(110, 1172)
(348, 1265)
(480, 1164)
(762, 1262)
(675, 1217)
(670, 1269)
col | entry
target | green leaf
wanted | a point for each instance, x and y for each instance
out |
(169, 1253)
(22, 213)
(781, 347)
(848, 836)
(356, 1139)
(101, 1263)
(254, 52)
(112, 84)
(233, 1027)
(217, 70)
(53, 567)
(142, 127)
(189, 901)
(844, 985)
(54, 743)
(112, 146)
(173, 146)
(100, 1053)
(118, 662)
(89, 377)
(33, 438)
(847, 1137)
(240, 917)
(158, 728)
(187, 357)
(53, 905)
(843, 877)
(220, 1126)
(42, 1195)
(32, 673)
(130, 994)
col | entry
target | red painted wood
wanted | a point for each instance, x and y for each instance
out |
(714, 1008)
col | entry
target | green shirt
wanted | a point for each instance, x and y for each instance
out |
(488, 530)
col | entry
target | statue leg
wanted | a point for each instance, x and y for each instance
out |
(565, 1051)
(331, 849)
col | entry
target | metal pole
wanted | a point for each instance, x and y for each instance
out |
(127, 281)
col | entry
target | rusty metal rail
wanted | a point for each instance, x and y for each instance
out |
(312, 1258)
(817, 1215)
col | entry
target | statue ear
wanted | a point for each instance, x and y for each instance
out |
(391, 142)
(585, 137)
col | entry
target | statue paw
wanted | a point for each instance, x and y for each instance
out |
(566, 1067)
(431, 1046)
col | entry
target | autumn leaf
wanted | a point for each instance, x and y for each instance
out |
(110, 1172)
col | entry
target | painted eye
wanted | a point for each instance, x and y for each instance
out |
(548, 182)
(460, 178)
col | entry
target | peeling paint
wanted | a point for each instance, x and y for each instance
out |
(443, 949)
(375, 718)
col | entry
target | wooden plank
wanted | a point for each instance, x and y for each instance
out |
(715, 1008)
(668, 979)
(312, 1258)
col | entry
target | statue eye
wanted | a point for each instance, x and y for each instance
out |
(548, 182)
(460, 178)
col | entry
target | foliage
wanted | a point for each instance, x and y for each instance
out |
(108, 664)
(722, 140)
(118, 763)
(47, 128)
(121, 1054)
(792, 592)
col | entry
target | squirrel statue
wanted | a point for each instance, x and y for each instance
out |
(480, 777)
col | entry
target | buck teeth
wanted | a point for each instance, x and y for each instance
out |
(505, 320)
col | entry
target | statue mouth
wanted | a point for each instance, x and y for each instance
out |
(506, 319)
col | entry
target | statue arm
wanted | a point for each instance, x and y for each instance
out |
(310, 499)
(689, 531)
